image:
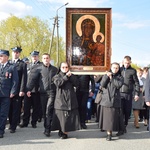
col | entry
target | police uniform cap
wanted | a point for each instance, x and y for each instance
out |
(34, 53)
(25, 59)
(4, 52)
(16, 49)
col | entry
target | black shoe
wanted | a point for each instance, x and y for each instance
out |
(93, 116)
(34, 126)
(102, 130)
(125, 130)
(1, 135)
(60, 133)
(40, 119)
(47, 133)
(140, 120)
(64, 136)
(120, 133)
(147, 128)
(23, 125)
(12, 131)
(83, 126)
(108, 138)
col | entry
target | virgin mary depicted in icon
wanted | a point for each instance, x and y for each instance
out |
(88, 49)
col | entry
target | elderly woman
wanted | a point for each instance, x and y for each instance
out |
(111, 101)
(66, 116)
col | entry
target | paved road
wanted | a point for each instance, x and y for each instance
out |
(90, 139)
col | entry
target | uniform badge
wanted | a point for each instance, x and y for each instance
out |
(6, 75)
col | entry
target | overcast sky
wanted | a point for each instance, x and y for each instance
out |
(130, 22)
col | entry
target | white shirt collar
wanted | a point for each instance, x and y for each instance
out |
(4, 63)
(15, 60)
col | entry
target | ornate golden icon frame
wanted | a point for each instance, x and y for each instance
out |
(81, 51)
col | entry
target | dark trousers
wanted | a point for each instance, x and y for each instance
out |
(149, 119)
(82, 102)
(126, 103)
(33, 103)
(47, 102)
(89, 108)
(4, 110)
(15, 111)
(98, 108)
(40, 114)
(143, 113)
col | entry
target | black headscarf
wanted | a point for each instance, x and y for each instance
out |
(59, 68)
(119, 71)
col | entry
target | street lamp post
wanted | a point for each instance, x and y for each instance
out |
(57, 25)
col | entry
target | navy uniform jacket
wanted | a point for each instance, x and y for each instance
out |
(22, 74)
(32, 68)
(8, 80)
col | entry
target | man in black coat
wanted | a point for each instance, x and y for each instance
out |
(8, 87)
(33, 101)
(44, 74)
(147, 95)
(129, 90)
(16, 101)
(83, 94)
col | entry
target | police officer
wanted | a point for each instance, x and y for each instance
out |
(26, 60)
(33, 101)
(44, 74)
(8, 87)
(16, 101)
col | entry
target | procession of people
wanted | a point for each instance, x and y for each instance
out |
(31, 92)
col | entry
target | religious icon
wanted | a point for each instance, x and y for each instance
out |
(88, 39)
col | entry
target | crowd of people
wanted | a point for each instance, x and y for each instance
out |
(32, 91)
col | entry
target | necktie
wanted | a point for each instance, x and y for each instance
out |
(33, 63)
(2, 67)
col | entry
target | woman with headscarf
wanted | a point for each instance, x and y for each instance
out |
(111, 101)
(66, 116)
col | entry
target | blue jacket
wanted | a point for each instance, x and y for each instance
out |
(8, 80)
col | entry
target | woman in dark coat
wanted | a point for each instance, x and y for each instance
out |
(66, 116)
(111, 100)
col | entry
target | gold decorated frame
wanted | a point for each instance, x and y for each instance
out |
(103, 23)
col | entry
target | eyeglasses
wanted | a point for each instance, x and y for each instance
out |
(64, 67)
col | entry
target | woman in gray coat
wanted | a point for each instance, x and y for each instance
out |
(111, 101)
(66, 116)
(138, 105)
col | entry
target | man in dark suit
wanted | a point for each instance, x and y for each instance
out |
(33, 101)
(129, 90)
(16, 101)
(8, 87)
(83, 94)
(44, 74)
